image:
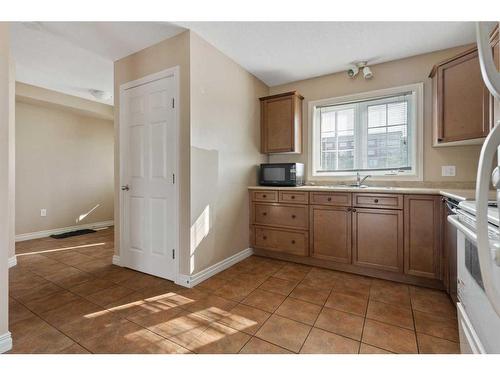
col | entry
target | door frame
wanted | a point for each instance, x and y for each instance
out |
(170, 72)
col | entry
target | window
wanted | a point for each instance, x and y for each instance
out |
(374, 133)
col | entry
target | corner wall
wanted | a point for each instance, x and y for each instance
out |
(166, 54)
(6, 98)
(225, 143)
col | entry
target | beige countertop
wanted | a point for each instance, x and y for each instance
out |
(458, 194)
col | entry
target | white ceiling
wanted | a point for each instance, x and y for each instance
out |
(74, 57)
(281, 52)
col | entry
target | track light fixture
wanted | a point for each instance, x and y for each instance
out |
(357, 66)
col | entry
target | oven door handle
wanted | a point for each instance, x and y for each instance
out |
(469, 233)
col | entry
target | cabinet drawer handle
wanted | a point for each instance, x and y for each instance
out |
(376, 200)
(264, 214)
(264, 237)
(329, 199)
(264, 196)
(293, 216)
(293, 242)
(293, 196)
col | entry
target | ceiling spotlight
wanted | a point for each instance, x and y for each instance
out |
(357, 66)
(353, 72)
(367, 72)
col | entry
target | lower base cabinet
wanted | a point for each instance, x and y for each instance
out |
(392, 236)
(282, 240)
(423, 236)
(378, 238)
(331, 233)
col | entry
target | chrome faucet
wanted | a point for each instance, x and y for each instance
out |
(360, 180)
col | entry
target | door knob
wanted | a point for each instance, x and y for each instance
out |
(125, 187)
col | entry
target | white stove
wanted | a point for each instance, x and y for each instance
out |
(479, 324)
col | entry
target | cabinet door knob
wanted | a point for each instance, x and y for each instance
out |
(264, 237)
(293, 216)
(349, 209)
(376, 200)
(293, 242)
(329, 199)
(353, 210)
(264, 214)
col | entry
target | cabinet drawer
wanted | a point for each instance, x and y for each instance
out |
(300, 197)
(331, 199)
(378, 200)
(285, 241)
(281, 215)
(265, 196)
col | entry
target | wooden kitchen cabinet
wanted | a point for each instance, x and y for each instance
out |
(461, 101)
(282, 240)
(378, 238)
(281, 123)
(390, 236)
(422, 225)
(331, 233)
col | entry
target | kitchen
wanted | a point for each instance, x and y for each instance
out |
(340, 204)
(394, 230)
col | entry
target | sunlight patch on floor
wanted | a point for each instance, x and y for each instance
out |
(62, 249)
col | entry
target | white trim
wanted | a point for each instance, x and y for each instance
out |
(418, 153)
(192, 280)
(5, 342)
(12, 261)
(49, 232)
(170, 72)
(116, 260)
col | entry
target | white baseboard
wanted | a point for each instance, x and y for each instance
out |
(5, 342)
(116, 260)
(12, 261)
(192, 280)
(47, 233)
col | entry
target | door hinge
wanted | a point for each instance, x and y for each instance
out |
(173, 178)
(173, 102)
(173, 253)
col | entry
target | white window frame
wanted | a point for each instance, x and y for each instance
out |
(416, 129)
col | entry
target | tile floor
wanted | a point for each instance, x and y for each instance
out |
(67, 297)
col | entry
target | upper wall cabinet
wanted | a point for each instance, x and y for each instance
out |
(461, 101)
(281, 123)
(462, 105)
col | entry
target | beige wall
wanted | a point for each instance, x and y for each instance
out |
(166, 54)
(64, 163)
(6, 94)
(224, 153)
(395, 73)
(39, 95)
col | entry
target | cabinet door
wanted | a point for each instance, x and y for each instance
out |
(278, 125)
(331, 233)
(462, 100)
(378, 238)
(422, 217)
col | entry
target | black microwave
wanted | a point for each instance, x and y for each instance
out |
(281, 174)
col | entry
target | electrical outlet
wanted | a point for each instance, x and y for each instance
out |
(448, 171)
(43, 212)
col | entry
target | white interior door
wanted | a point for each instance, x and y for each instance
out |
(148, 134)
